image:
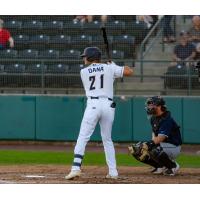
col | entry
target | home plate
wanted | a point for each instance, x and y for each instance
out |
(34, 176)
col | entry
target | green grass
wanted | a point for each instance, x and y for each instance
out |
(11, 157)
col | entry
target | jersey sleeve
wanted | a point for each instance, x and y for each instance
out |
(118, 70)
(81, 74)
(165, 128)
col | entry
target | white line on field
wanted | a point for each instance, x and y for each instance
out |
(7, 182)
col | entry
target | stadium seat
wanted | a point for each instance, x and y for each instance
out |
(14, 68)
(57, 68)
(50, 54)
(56, 76)
(73, 78)
(92, 25)
(1, 68)
(75, 68)
(81, 39)
(123, 39)
(116, 24)
(53, 25)
(124, 43)
(21, 38)
(98, 39)
(33, 75)
(73, 54)
(13, 76)
(28, 53)
(73, 25)
(36, 68)
(8, 53)
(13, 24)
(39, 39)
(176, 77)
(116, 54)
(34, 24)
(60, 39)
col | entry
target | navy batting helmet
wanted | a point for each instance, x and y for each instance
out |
(92, 53)
(151, 102)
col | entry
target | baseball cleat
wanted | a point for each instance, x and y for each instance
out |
(73, 174)
(173, 171)
(108, 176)
(158, 170)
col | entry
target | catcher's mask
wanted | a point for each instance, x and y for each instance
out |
(152, 103)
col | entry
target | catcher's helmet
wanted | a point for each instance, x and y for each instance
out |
(151, 102)
(92, 53)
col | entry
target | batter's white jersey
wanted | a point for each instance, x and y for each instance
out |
(98, 79)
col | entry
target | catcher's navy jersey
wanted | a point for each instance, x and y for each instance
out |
(165, 125)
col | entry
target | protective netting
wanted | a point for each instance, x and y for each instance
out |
(46, 51)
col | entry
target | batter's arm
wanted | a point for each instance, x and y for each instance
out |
(127, 71)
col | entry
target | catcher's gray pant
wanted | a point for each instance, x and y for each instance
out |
(171, 150)
(97, 110)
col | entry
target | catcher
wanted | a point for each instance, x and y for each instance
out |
(166, 141)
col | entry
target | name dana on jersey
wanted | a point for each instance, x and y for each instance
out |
(96, 69)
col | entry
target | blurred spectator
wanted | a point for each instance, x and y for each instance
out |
(147, 19)
(184, 51)
(168, 33)
(89, 18)
(195, 30)
(5, 37)
(194, 34)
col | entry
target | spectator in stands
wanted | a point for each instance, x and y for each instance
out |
(184, 51)
(195, 30)
(89, 18)
(168, 33)
(5, 37)
(194, 35)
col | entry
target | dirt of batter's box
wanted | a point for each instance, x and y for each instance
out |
(54, 174)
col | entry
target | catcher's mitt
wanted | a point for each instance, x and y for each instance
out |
(139, 150)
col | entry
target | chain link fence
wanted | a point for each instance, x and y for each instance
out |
(46, 53)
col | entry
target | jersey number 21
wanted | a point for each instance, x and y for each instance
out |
(93, 79)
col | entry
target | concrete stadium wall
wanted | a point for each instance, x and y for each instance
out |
(58, 118)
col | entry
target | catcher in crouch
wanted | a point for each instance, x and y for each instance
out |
(166, 141)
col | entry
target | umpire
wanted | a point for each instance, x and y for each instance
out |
(165, 145)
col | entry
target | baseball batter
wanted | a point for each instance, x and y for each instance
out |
(98, 79)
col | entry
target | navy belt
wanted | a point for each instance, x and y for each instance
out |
(98, 98)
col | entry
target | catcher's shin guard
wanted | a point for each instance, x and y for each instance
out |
(158, 155)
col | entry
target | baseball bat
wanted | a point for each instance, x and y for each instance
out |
(106, 44)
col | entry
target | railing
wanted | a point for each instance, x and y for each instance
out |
(183, 79)
(155, 33)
